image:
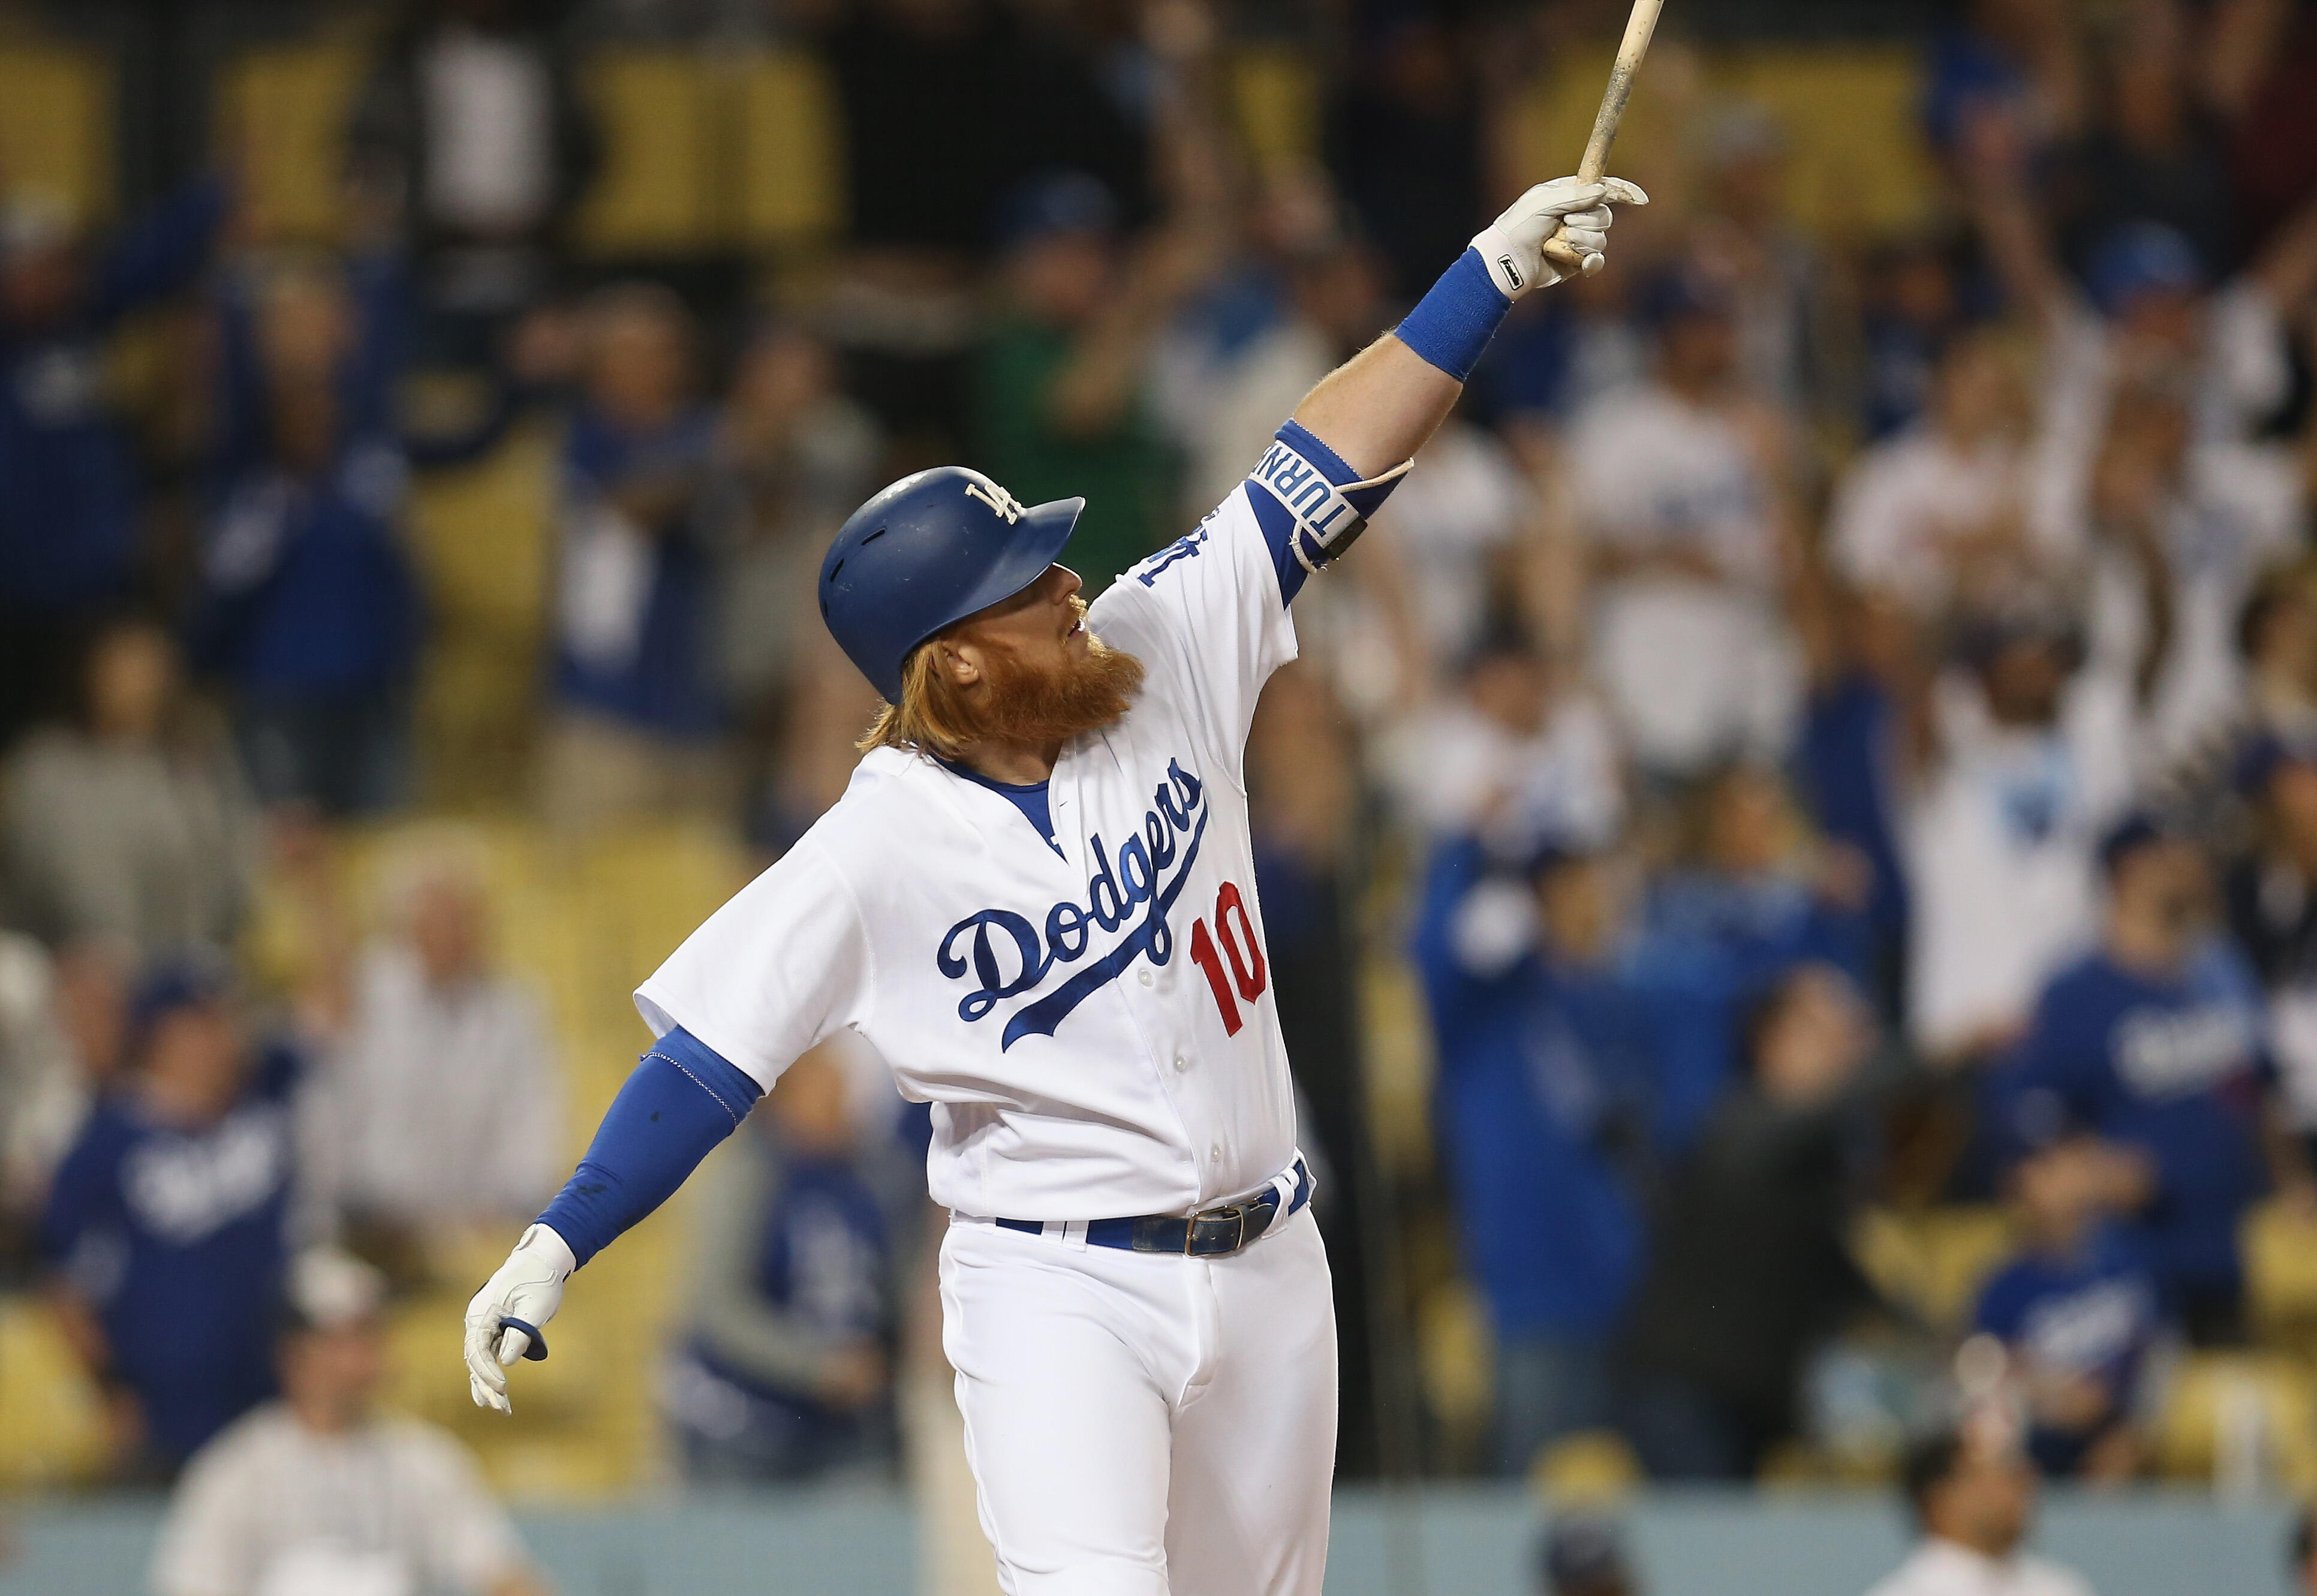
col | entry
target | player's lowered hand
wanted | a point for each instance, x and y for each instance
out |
(526, 1290)
(1513, 245)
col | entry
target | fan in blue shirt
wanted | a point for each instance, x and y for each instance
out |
(2078, 1311)
(167, 1221)
(1744, 900)
(2152, 1045)
(785, 1377)
(1569, 1058)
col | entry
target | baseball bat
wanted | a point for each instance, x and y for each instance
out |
(1639, 29)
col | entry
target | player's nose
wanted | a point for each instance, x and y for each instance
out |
(1067, 587)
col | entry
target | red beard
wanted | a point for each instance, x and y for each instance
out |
(1035, 704)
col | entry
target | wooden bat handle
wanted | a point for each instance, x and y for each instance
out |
(1640, 28)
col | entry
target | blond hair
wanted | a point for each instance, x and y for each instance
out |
(932, 716)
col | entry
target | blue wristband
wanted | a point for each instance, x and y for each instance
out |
(1453, 323)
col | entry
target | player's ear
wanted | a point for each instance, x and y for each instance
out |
(959, 661)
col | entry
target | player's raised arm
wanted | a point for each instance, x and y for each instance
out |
(1379, 407)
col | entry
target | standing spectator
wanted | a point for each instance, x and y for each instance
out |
(1519, 746)
(1757, 895)
(1675, 489)
(1748, 1268)
(168, 1222)
(1777, 278)
(1973, 1496)
(1564, 1070)
(2148, 307)
(635, 653)
(1245, 352)
(1938, 513)
(792, 457)
(2201, 521)
(2002, 831)
(69, 477)
(2151, 1045)
(310, 604)
(2277, 660)
(2078, 1312)
(128, 824)
(444, 1094)
(319, 1492)
(470, 133)
(1912, 306)
(1060, 387)
(787, 1372)
(1865, 734)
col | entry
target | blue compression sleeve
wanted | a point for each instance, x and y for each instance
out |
(680, 1102)
(1453, 323)
(1283, 472)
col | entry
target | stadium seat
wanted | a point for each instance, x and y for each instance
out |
(1931, 1262)
(57, 116)
(51, 1428)
(483, 537)
(1275, 99)
(2247, 1422)
(283, 110)
(792, 157)
(2280, 1259)
(1855, 169)
(660, 192)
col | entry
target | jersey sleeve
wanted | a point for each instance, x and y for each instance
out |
(1209, 612)
(773, 973)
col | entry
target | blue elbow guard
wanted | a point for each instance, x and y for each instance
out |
(681, 1102)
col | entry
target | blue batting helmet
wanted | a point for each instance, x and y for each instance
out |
(928, 551)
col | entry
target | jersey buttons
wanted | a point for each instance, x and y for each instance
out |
(1144, 977)
(1215, 1154)
(1182, 1062)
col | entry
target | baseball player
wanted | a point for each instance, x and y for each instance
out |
(1036, 900)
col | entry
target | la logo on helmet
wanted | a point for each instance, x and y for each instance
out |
(997, 499)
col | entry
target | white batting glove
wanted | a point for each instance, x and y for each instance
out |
(527, 1290)
(1513, 245)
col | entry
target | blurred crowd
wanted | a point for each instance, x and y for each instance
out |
(1830, 722)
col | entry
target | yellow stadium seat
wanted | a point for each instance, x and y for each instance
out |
(1456, 1352)
(2239, 1417)
(792, 153)
(1932, 1263)
(51, 1427)
(282, 110)
(661, 189)
(56, 125)
(1274, 100)
(483, 534)
(1856, 165)
(2280, 1258)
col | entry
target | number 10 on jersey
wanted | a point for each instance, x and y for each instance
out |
(1247, 973)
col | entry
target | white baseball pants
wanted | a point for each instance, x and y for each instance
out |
(1145, 1425)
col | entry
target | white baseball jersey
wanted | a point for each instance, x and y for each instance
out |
(1092, 1018)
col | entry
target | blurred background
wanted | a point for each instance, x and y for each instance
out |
(1790, 858)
